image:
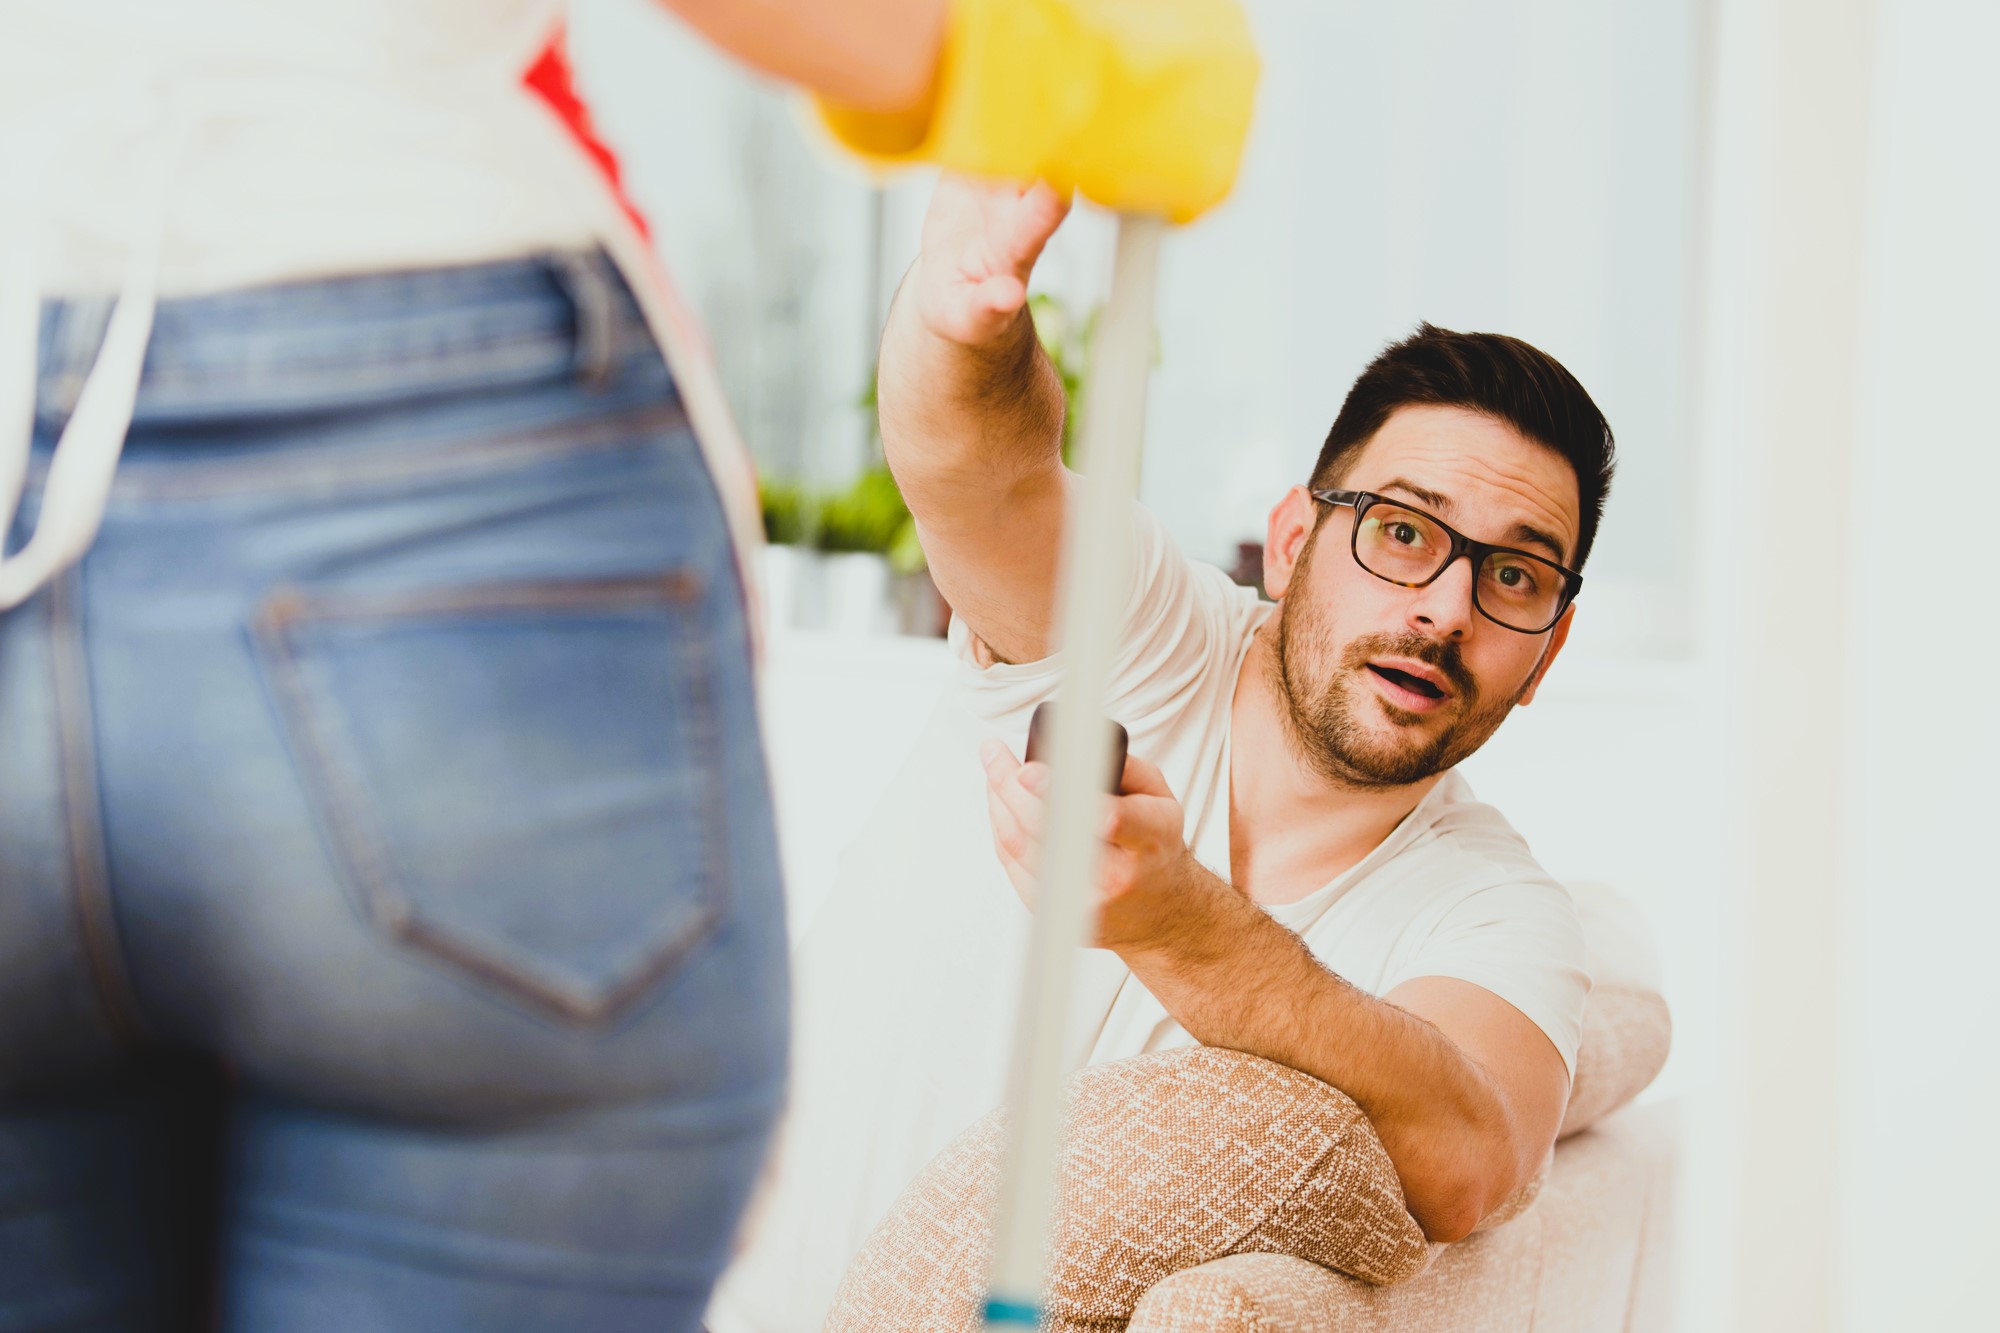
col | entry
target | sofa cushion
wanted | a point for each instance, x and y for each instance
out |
(1523, 1198)
(1626, 1027)
(1169, 1160)
(1590, 1258)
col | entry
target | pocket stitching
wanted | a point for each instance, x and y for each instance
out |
(342, 810)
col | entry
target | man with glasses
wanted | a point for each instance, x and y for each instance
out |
(1292, 867)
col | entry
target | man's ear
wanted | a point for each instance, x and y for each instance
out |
(1556, 640)
(1285, 535)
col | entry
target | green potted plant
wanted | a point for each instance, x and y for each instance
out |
(789, 572)
(842, 559)
(1067, 343)
(869, 542)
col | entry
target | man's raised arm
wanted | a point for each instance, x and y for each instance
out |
(972, 413)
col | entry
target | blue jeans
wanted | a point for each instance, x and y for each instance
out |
(390, 930)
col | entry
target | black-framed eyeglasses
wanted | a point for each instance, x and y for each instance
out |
(1403, 545)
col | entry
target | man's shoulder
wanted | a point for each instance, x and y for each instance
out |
(1465, 846)
(1461, 822)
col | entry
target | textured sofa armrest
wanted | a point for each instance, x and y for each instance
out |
(1626, 1033)
(1252, 1293)
(1169, 1160)
(1626, 1028)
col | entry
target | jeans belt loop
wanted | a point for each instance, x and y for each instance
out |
(593, 301)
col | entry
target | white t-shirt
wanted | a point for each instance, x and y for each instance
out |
(906, 981)
(311, 139)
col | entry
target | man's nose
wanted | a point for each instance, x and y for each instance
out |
(1443, 608)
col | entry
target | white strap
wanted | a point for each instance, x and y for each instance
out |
(20, 328)
(86, 454)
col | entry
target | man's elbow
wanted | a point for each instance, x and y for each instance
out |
(1448, 1204)
(1447, 1214)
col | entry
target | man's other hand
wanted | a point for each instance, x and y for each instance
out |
(1150, 890)
(980, 243)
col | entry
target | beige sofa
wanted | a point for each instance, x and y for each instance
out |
(1207, 1190)
(1592, 1254)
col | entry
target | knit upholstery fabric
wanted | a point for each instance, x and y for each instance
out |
(1626, 1034)
(1592, 1256)
(1170, 1160)
(1626, 1027)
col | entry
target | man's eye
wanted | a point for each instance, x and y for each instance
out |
(1403, 534)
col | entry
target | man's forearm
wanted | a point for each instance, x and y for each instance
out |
(960, 421)
(1235, 978)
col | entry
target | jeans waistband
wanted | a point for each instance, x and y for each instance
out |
(336, 344)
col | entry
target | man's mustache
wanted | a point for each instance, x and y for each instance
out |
(1446, 657)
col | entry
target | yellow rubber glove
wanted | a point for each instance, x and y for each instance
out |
(1141, 105)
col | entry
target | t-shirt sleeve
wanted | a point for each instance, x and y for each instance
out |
(1521, 939)
(1178, 618)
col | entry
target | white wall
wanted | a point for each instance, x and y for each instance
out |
(1919, 1159)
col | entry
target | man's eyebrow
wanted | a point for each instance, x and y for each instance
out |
(1520, 534)
(1526, 533)
(1429, 497)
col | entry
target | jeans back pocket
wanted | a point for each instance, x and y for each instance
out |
(523, 780)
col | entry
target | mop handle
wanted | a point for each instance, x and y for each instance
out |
(1096, 560)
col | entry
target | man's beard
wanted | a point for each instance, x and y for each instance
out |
(1322, 707)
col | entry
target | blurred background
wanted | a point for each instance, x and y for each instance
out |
(1762, 233)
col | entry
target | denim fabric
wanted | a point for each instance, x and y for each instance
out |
(390, 933)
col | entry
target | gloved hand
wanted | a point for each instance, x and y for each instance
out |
(1141, 105)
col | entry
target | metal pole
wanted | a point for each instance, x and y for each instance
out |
(1096, 560)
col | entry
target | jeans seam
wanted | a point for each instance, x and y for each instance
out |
(331, 474)
(343, 809)
(706, 738)
(433, 1260)
(83, 818)
(608, 327)
(473, 352)
(167, 373)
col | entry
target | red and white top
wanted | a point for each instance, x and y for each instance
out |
(157, 150)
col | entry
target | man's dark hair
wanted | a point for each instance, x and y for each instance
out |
(1501, 377)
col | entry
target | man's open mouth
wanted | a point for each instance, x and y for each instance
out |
(1414, 684)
